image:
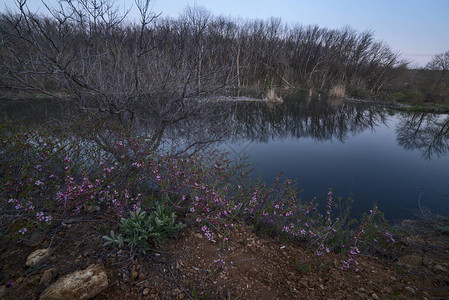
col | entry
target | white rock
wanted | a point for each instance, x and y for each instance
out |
(84, 284)
(36, 256)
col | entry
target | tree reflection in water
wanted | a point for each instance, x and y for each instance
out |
(300, 116)
(428, 133)
(320, 118)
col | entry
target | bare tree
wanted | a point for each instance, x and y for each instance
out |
(440, 67)
(86, 50)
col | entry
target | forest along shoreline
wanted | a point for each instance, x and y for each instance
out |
(91, 198)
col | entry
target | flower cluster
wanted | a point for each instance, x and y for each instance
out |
(124, 173)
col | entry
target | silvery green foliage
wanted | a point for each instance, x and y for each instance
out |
(140, 228)
(116, 240)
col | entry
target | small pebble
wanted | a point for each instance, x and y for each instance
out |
(440, 268)
(142, 276)
(134, 275)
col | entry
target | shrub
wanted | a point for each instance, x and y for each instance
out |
(410, 95)
(398, 97)
(141, 228)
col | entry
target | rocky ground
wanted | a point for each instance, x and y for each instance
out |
(187, 267)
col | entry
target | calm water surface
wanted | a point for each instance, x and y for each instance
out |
(396, 160)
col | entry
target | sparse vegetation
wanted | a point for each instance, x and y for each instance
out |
(303, 268)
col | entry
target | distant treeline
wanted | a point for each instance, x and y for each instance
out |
(92, 52)
(419, 85)
(268, 52)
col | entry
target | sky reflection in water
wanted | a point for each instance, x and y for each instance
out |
(379, 157)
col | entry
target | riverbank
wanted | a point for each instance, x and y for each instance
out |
(407, 106)
(257, 267)
(424, 107)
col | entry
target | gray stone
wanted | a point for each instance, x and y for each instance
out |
(83, 284)
(46, 279)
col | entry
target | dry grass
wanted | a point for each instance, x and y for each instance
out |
(272, 97)
(337, 91)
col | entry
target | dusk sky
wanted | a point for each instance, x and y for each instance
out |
(418, 29)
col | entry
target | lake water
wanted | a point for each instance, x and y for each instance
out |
(396, 160)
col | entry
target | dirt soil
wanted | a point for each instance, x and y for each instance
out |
(257, 267)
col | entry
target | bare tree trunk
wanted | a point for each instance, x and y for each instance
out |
(238, 69)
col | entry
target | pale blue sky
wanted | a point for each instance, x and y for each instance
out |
(418, 29)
